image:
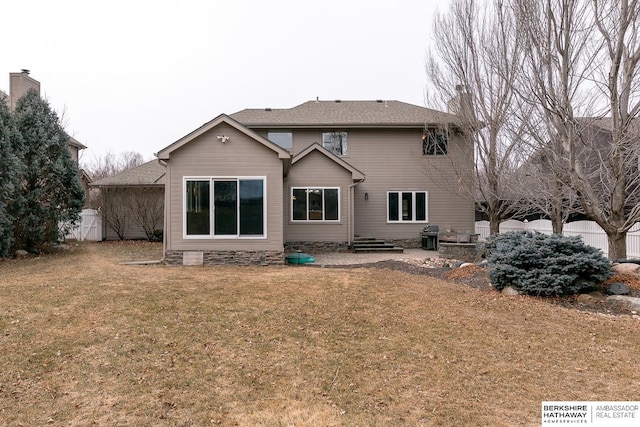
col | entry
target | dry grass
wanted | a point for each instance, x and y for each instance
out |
(86, 341)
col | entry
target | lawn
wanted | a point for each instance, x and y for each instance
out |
(87, 341)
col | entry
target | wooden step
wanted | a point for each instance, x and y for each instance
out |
(379, 249)
(371, 244)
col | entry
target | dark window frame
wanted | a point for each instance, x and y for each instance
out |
(435, 142)
(315, 204)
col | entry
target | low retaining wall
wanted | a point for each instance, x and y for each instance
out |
(224, 257)
(460, 251)
(316, 247)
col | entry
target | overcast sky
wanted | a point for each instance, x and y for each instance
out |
(137, 75)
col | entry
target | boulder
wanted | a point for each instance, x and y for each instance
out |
(586, 299)
(618, 289)
(21, 253)
(625, 268)
(598, 295)
(510, 291)
(624, 302)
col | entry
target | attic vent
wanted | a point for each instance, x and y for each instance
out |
(337, 100)
(379, 101)
(267, 109)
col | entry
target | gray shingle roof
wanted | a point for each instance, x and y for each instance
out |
(147, 174)
(335, 114)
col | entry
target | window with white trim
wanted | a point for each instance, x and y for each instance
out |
(283, 139)
(315, 204)
(224, 207)
(407, 206)
(336, 142)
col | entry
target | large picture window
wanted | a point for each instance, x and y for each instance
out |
(336, 142)
(224, 207)
(315, 204)
(407, 206)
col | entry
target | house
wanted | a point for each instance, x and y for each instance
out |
(244, 188)
(131, 202)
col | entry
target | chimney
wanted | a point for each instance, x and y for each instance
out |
(460, 104)
(19, 84)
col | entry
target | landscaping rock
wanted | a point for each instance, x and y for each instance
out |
(510, 291)
(21, 253)
(625, 268)
(598, 295)
(618, 289)
(586, 299)
(623, 302)
(467, 264)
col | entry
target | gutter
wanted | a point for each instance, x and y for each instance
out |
(351, 205)
(164, 217)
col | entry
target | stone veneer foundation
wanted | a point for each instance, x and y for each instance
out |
(316, 247)
(225, 257)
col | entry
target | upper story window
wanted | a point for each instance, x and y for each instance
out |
(283, 139)
(336, 142)
(315, 204)
(434, 142)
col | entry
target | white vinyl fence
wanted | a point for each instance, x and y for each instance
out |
(590, 232)
(90, 227)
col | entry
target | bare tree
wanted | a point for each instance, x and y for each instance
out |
(476, 52)
(568, 70)
(107, 165)
(115, 206)
(110, 164)
(147, 209)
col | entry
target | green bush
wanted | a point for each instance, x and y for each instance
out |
(540, 264)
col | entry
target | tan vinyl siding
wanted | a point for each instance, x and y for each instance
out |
(316, 170)
(240, 156)
(392, 160)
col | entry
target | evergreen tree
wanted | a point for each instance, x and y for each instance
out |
(50, 183)
(10, 173)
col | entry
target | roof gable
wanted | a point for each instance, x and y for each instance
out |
(355, 173)
(334, 114)
(165, 153)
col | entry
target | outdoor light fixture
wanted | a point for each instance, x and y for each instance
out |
(223, 138)
(366, 196)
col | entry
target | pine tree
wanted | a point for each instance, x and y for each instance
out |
(50, 183)
(10, 173)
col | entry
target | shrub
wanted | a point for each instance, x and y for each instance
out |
(540, 264)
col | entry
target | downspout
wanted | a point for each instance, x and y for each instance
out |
(351, 203)
(165, 214)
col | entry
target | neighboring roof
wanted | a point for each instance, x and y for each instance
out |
(76, 143)
(147, 174)
(355, 173)
(165, 153)
(336, 114)
(606, 123)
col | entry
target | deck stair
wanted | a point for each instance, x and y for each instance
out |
(370, 244)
